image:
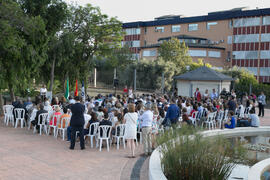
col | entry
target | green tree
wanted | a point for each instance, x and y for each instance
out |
(200, 63)
(54, 14)
(176, 52)
(23, 44)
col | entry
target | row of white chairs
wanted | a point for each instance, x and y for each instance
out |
(16, 118)
(211, 120)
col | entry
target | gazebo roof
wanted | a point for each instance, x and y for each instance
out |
(204, 74)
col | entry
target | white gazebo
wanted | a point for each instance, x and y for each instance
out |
(202, 78)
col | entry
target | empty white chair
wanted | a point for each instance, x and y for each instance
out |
(53, 125)
(209, 121)
(93, 133)
(226, 115)
(119, 134)
(19, 116)
(32, 117)
(42, 119)
(220, 118)
(63, 127)
(8, 114)
(105, 135)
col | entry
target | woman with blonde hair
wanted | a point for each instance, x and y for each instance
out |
(130, 120)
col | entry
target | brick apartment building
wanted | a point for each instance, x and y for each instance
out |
(236, 37)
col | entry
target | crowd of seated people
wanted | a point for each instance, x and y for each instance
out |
(224, 110)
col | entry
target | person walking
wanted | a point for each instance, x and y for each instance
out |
(147, 119)
(77, 122)
(130, 120)
(262, 103)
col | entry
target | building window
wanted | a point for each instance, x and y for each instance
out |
(192, 27)
(176, 28)
(244, 22)
(197, 53)
(229, 40)
(160, 29)
(190, 41)
(214, 54)
(135, 56)
(145, 42)
(209, 24)
(132, 43)
(230, 24)
(133, 31)
(145, 30)
(266, 20)
(149, 53)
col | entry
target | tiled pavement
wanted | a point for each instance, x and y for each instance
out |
(24, 155)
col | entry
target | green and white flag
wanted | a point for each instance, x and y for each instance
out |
(67, 91)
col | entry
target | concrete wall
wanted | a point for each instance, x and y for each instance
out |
(187, 88)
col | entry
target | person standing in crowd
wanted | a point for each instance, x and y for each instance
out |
(43, 92)
(172, 114)
(130, 93)
(232, 104)
(214, 95)
(197, 95)
(125, 91)
(147, 119)
(206, 94)
(130, 120)
(262, 103)
(77, 122)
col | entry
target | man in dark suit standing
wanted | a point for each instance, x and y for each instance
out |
(77, 122)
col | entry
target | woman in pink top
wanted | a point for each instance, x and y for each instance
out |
(53, 119)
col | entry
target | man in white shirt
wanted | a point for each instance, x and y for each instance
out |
(147, 119)
(43, 92)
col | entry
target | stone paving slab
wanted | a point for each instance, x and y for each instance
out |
(24, 155)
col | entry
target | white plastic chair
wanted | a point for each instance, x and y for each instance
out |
(220, 117)
(193, 118)
(32, 117)
(226, 115)
(19, 116)
(119, 133)
(54, 126)
(92, 134)
(42, 119)
(63, 126)
(106, 134)
(140, 134)
(8, 114)
(209, 121)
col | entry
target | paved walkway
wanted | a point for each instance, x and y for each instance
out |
(24, 155)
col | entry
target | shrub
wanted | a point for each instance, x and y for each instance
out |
(198, 157)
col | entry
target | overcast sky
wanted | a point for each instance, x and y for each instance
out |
(142, 10)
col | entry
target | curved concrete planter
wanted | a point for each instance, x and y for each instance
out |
(155, 169)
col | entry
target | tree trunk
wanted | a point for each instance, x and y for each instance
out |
(1, 104)
(11, 92)
(52, 74)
